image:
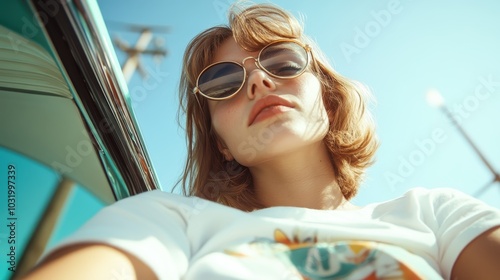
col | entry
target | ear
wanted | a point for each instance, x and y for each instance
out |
(224, 150)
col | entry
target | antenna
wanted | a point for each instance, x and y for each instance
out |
(141, 47)
(435, 99)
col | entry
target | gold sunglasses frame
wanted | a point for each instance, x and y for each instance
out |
(306, 47)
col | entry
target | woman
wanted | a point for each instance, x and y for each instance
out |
(278, 142)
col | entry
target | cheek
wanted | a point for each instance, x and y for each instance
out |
(219, 119)
(224, 118)
(312, 96)
(316, 113)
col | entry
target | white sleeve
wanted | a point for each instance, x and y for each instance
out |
(459, 219)
(150, 226)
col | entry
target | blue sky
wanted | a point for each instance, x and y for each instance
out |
(399, 49)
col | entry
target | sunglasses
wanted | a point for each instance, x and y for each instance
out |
(281, 59)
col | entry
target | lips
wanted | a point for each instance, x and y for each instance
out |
(266, 102)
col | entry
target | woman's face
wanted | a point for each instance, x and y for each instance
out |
(268, 117)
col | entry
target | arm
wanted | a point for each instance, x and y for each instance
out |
(91, 261)
(140, 237)
(479, 259)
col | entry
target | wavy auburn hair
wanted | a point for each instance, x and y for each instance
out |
(351, 138)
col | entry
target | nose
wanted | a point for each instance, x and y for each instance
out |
(259, 82)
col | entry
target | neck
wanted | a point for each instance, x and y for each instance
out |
(304, 178)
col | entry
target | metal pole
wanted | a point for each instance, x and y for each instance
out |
(496, 175)
(469, 140)
(44, 228)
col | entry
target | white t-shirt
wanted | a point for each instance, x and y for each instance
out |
(416, 236)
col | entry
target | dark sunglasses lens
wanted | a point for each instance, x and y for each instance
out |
(221, 80)
(284, 59)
